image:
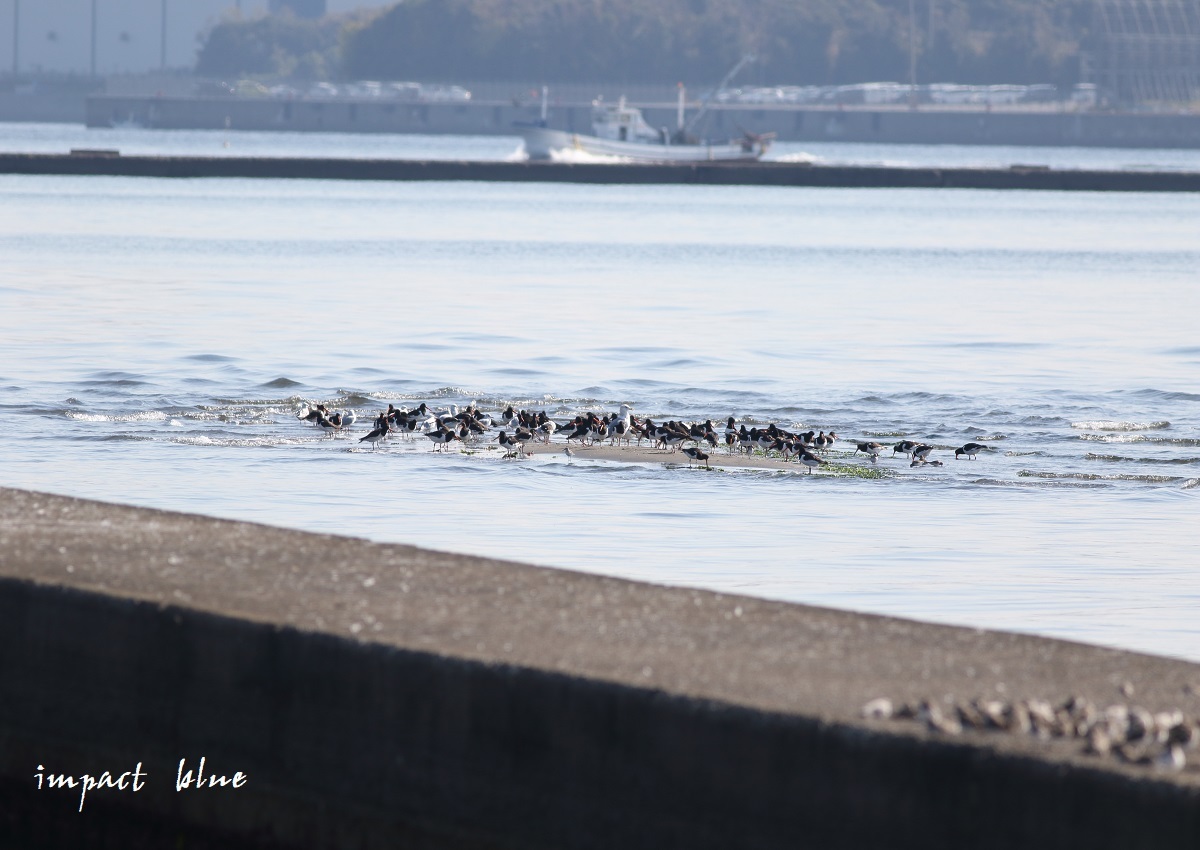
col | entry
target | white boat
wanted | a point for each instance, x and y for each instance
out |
(619, 130)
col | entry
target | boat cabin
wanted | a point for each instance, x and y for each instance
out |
(621, 123)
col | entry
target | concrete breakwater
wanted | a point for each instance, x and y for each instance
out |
(111, 163)
(382, 696)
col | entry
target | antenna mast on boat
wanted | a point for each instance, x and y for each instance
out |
(704, 104)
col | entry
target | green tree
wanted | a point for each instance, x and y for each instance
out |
(797, 41)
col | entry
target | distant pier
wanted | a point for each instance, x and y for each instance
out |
(1029, 177)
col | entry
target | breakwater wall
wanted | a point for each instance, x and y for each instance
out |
(382, 696)
(100, 162)
(43, 107)
(891, 125)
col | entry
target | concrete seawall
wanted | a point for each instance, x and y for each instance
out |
(790, 122)
(701, 174)
(383, 696)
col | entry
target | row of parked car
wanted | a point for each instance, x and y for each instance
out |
(884, 93)
(860, 93)
(407, 92)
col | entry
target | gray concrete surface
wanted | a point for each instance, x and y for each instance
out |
(388, 696)
(110, 163)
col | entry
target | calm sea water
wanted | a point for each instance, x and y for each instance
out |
(156, 338)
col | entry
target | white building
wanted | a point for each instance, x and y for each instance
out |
(56, 35)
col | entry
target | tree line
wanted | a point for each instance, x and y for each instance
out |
(803, 42)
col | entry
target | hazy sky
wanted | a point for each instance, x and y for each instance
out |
(55, 35)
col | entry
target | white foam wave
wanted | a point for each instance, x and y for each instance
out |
(242, 442)
(1117, 425)
(1090, 476)
(1113, 438)
(195, 441)
(799, 156)
(144, 416)
(572, 156)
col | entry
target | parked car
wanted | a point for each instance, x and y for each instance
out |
(323, 90)
(250, 88)
(408, 92)
(445, 94)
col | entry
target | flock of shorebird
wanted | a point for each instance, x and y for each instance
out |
(470, 424)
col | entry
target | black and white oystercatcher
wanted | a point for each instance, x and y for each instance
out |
(376, 435)
(871, 450)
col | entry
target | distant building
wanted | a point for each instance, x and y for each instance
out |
(55, 36)
(1146, 51)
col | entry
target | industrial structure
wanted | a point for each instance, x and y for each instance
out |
(1147, 52)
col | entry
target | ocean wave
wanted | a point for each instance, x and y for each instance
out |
(516, 372)
(114, 379)
(1141, 438)
(211, 358)
(644, 383)
(924, 396)
(244, 442)
(1117, 425)
(998, 343)
(280, 383)
(1114, 438)
(1127, 459)
(424, 346)
(1171, 395)
(142, 416)
(289, 403)
(1090, 476)
(1041, 484)
(393, 395)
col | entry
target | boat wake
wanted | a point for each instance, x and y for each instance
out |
(570, 156)
(799, 157)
